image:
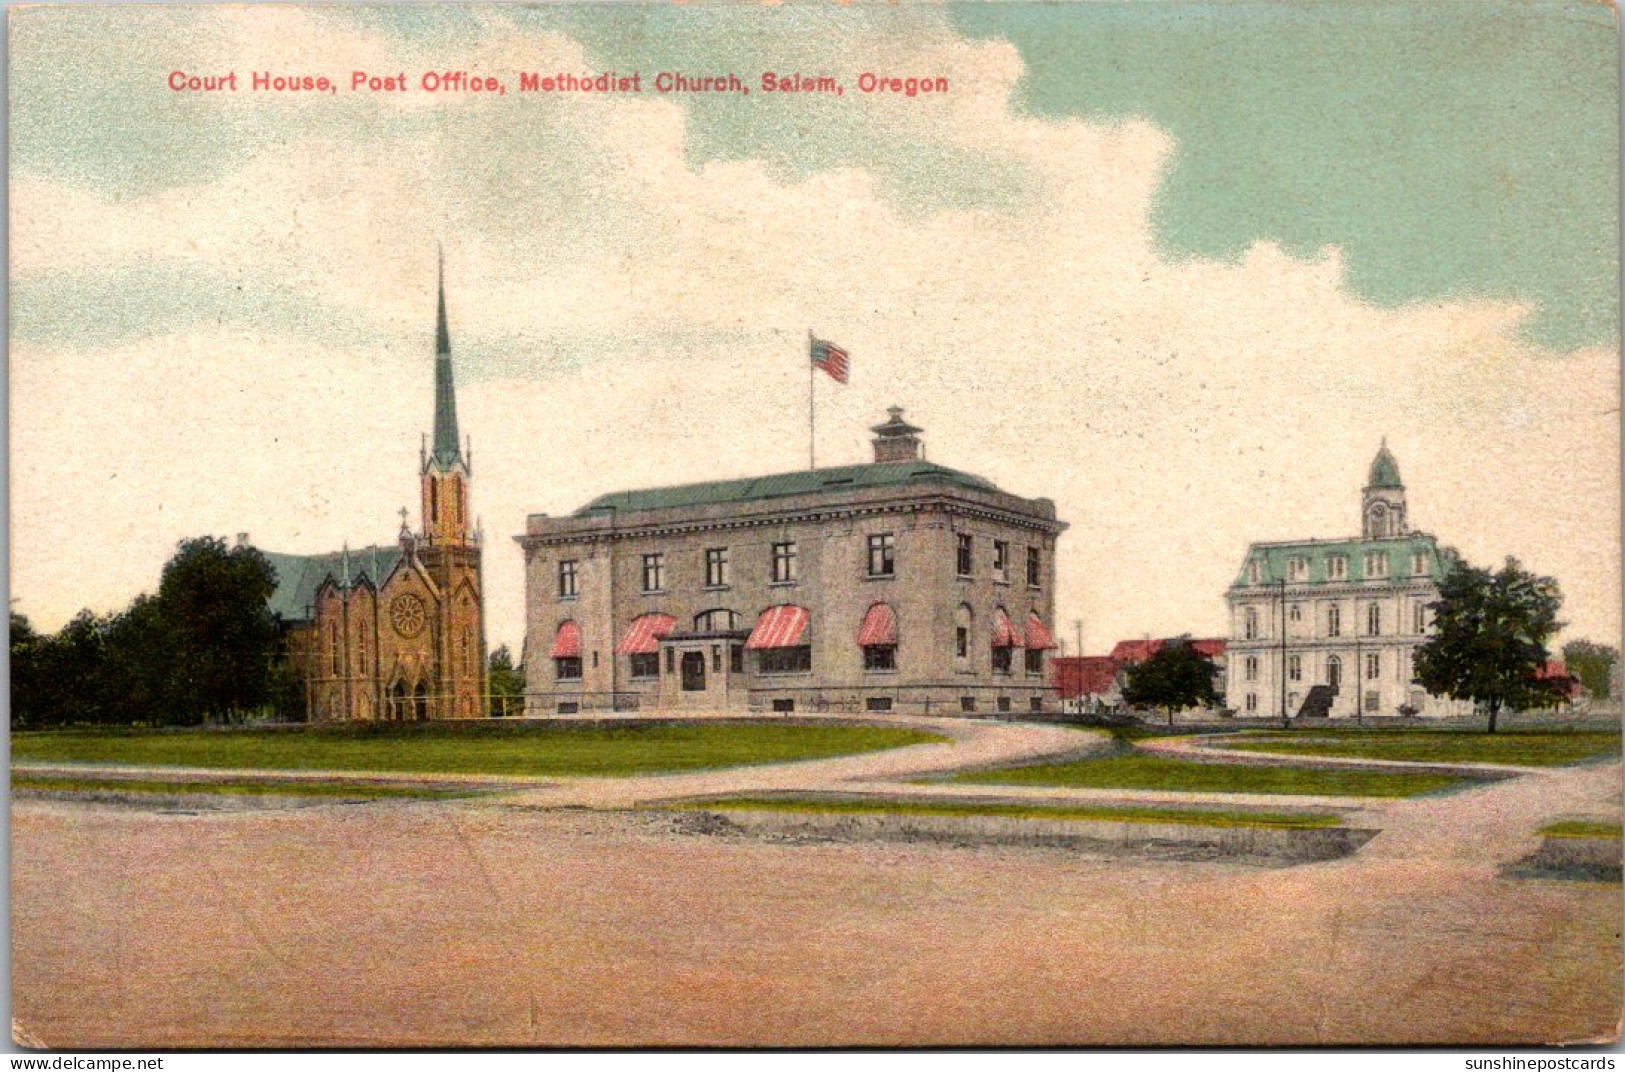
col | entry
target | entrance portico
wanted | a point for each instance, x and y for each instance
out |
(704, 670)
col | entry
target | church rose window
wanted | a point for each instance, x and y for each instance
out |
(406, 615)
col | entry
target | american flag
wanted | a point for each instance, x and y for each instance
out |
(831, 358)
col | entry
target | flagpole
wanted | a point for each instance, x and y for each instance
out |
(812, 420)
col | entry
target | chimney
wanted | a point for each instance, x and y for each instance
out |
(896, 440)
(242, 539)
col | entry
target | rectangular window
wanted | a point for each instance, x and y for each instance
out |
(1337, 567)
(1252, 702)
(1297, 568)
(1334, 620)
(1001, 661)
(736, 659)
(786, 660)
(716, 567)
(784, 562)
(1294, 668)
(967, 703)
(671, 660)
(882, 555)
(783, 707)
(1035, 660)
(1296, 612)
(646, 666)
(654, 572)
(1419, 564)
(1250, 623)
(1037, 703)
(1376, 564)
(1034, 576)
(962, 642)
(1420, 618)
(1250, 668)
(877, 703)
(1373, 666)
(962, 561)
(1003, 704)
(1001, 560)
(567, 669)
(567, 579)
(1373, 702)
(880, 657)
(1373, 619)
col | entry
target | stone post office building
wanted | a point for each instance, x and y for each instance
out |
(899, 585)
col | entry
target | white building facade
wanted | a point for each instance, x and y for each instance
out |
(1331, 627)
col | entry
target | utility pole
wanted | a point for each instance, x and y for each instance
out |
(1285, 723)
(1077, 624)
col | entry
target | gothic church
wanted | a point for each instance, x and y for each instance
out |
(397, 632)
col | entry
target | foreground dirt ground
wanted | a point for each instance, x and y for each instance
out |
(478, 924)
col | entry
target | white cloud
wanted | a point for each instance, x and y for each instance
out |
(1175, 411)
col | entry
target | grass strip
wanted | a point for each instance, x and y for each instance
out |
(1581, 828)
(1074, 812)
(1437, 746)
(526, 750)
(233, 788)
(1143, 771)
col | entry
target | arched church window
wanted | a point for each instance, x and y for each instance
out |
(333, 642)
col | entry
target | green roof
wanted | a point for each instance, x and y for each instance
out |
(1275, 559)
(298, 576)
(786, 485)
(1384, 470)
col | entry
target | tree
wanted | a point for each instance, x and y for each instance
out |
(1593, 664)
(1489, 643)
(213, 603)
(1174, 677)
(507, 684)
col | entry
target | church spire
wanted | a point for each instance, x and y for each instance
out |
(446, 452)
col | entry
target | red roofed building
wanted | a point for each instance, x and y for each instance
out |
(1097, 680)
(1556, 669)
(1133, 651)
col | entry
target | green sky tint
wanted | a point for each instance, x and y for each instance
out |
(1450, 149)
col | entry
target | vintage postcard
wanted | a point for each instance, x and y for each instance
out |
(815, 525)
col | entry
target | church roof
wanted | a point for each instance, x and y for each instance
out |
(1384, 470)
(787, 485)
(298, 576)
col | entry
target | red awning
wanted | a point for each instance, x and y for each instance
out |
(644, 635)
(879, 627)
(567, 644)
(779, 627)
(1038, 637)
(1004, 631)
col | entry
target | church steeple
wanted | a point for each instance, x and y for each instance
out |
(446, 469)
(446, 451)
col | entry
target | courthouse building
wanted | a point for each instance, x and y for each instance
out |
(397, 631)
(899, 585)
(1331, 627)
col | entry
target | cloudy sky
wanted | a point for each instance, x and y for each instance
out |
(1177, 266)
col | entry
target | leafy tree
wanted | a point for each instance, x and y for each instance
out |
(212, 600)
(26, 650)
(506, 682)
(1489, 643)
(1593, 664)
(1175, 677)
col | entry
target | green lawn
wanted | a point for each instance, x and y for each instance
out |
(1085, 812)
(1522, 748)
(533, 750)
(1189, 776)
(1581, 828)
(233, 788)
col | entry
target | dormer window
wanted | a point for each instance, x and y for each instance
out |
(1255, 571)
(1297, 568)
(1337, 567)
(1419, 564)
(1376, 564)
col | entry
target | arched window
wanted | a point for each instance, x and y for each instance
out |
(567, 652)
(361, 646)
(333, 642)
(1250, 626)
(717, 620)
(1334, 672)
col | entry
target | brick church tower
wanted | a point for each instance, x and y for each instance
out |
(397, 632)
